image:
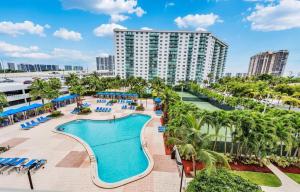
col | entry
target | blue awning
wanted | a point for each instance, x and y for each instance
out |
(20, 109)
(64, 98)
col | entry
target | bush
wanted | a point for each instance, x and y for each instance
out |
(284, 161)
(140, 108)
(56, 114)
(221, 180)
(85, 110)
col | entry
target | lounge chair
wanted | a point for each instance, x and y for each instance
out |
(109, 110)
(34, 123)
(40, 163)
(40, 120)
(29, 124)
(15, 165)
(25, 127)
(28, 164)
(97, 109)
(161, 129)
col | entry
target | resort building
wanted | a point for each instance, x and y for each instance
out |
(171, 55)
(106, 63)
(36, 67)
(11, 66)
(228, 75)
(77, 68)
(268, 63)
(68, 67)
(241, 74)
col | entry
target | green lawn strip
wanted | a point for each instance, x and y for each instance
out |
(262, 179)
(295, 177)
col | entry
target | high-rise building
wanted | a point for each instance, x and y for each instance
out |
(77, 68)
(11, 66)
(36, 67)
(268, 63)
(68, 68)
(228, 75)
(241, 74)
(171, 55)
(106, 63)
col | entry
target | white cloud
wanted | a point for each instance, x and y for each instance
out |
(197, 21)
(276, 17)
(14, 29)
(22, 52)
(170, 4)
(117, 18)
(67, 35)
(107, 29)
(107, 7)
(146, 28)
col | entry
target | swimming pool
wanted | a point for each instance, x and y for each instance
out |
(116, 145)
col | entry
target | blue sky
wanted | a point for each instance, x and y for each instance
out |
(76, 31)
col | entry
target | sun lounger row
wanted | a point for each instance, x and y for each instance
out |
(124, 107)
(124, 101)
(20, 164)
(75, 111)
(32, 123)
(158, 112)
(109, 104)
(161, 129)
(103, 109)
(101, 101)
(131, 107)
(86, 105)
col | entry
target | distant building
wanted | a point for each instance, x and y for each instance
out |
(68, 68)
(171, 55)
(228, 75)
(36, 67)
(106, 63)
(77, 68)
(268, 63)
(11, 66)
(241, 74)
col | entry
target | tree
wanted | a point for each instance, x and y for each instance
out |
(72, 79)
(3, 102)
(193, 144)
(52, 88)
(38, 89)
(292, 102)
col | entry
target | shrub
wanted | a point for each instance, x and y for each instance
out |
(221, 180)
(56, 114)
(85, 110)
(140, 108)
(284, 161)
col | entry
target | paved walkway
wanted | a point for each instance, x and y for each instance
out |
(41, 142)
(287, 184)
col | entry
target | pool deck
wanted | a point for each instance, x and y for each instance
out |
(68, 167)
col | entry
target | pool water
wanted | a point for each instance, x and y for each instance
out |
(115, 143)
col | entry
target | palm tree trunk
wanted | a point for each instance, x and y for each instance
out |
(225, 144)
(194, 165)
(281, 148)
(296, 152)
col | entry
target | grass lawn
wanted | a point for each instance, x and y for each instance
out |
(263, 179)
(295, 177)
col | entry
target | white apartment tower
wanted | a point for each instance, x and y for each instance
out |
(171, 55)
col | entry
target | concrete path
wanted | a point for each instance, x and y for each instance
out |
(287, 184)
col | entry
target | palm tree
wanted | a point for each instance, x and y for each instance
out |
(193, 144)
(37, 89)
(72, 79)
(3, 102)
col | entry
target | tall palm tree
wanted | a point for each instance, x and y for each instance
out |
(3, 102)
(193, 144)
(38, 88)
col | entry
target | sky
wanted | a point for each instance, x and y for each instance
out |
(76, 31)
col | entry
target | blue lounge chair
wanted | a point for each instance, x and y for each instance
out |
(34, 123)
(40, 163)
(109, 110)
(40, 120)
(161, 129)
(25, 127)
(29, 124)
(29, 163)
(97, 109)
